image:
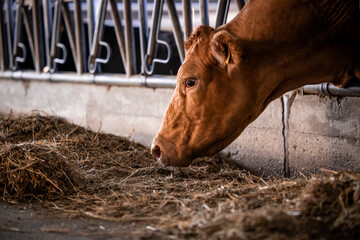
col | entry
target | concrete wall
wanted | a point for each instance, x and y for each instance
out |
(324, 132)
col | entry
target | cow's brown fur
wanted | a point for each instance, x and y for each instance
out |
(273, 46)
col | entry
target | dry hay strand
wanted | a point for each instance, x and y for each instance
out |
(333, 200)
(36, 170)
(45, 157)
(327, 206)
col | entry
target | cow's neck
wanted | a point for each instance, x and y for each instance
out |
(289, 51)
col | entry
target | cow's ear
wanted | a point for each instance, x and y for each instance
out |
(225, 48)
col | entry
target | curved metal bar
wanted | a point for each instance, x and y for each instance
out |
(92, 66)
(23, 49)
(108, 53)
(158, 60)
(63, 59)
(58, 60)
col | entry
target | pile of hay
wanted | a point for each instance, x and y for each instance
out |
(83, 173)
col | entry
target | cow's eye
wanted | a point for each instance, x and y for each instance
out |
(190, 83)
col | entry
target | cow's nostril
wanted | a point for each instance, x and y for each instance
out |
(156, 151)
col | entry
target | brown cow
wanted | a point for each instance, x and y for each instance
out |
(232, 73)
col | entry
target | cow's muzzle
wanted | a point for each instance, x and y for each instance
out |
(167, 154)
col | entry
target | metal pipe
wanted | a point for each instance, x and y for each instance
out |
(17, 31)
(204, 12)
(154, 30)
(142, 31)
(2, 47)
(221, 12)
(9, 32)
(78, 37)
(36, 35)
(129, 36)
(47, 25)
(176, 29)
(155, 81)
(90, 21)
(55, 31)
(187, 17)
(328, 89)
(98, 32)
(104, 79)
(68, 27)
(30, 38)
(118, 31)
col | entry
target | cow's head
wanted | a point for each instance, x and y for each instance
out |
(212, 103)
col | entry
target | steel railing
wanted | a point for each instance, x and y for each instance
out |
(65, 40)
(34, 32)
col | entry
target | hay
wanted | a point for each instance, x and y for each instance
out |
(102, 176)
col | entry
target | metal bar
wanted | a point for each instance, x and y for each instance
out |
(36, 35)
(142, 32)
(154, 81)
(29, 36)
(187, 17)
(90, 21)
(2, 47)
(129, 36)
(78, 36)
(221, 12)
(17, 30)
(55, 30)
(327, 89)
(176, 29)
(118, 31)
(67, 21)
(240, 4)
(204, 12)
(106, 79)
(154, 30)
(98, 31)
(46, 21)
(9, 32)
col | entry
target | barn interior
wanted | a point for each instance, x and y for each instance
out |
(84, 85)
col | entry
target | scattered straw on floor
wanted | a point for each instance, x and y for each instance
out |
(83, 173)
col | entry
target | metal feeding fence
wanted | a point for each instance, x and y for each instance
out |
(132, 43)
(128, 42)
